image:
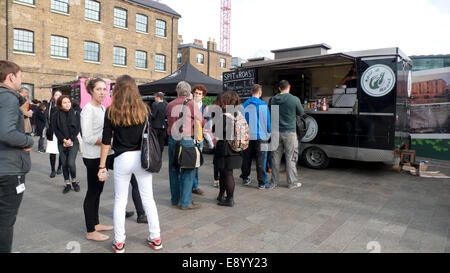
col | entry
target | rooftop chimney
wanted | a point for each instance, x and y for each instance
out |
(198, 42)
(212, 45)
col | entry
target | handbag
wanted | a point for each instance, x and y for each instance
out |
(151, 157)
(187, 157)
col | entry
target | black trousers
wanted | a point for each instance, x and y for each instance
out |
(216, 172)
(226, 182)
(9, 207)
(95, 188)
(53, 162)
(254, 150)
(161, 134)
(68, 155)
(136, 196)
(92, 200)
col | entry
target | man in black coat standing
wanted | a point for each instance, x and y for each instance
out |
(159, 120)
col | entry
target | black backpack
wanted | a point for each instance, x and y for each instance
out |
(302, 128)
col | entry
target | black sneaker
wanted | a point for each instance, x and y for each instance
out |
(53, 174)
(66, 189)
(59, 171)
(142, 219)
(75, 186)
(128, 214)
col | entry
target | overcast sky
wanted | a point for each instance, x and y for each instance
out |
(417, 27)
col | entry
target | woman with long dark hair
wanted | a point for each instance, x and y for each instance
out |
(124, 120)
(225, 158)
(66, 128)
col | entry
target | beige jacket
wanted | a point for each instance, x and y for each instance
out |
(26, 118)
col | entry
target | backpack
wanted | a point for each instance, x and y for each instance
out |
(302, 128)
(241, 136)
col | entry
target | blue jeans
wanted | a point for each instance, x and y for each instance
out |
(181, 180)
(195, 185)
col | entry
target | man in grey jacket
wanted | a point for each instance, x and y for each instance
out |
(15, 147)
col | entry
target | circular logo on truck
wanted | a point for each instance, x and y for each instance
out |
(378, 80)
(313, 128)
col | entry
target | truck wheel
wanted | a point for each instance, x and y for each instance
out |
(315, 158)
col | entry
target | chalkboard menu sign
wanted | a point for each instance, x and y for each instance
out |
(240, 81)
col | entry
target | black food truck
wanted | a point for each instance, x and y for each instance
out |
(357, 103)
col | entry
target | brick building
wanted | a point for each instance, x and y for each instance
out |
(208, 60)
(432, 91)
(57, 41)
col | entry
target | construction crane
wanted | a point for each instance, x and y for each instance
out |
(225, 26)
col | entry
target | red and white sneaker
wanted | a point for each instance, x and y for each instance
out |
(155, 243)
(118, 247)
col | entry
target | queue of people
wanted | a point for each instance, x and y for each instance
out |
(110, 139)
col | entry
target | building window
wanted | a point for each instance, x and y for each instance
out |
(92, 10)
(60, 6)
(160, 62)
(120, 17)
(120, 55)
(91, 51)
(223, 63)
(59, 46)
(141, 23)
(179, 56)
(160, 28)
(23, 40)
(30, 2)
(30, 88)
(141, 59)
(200, 58)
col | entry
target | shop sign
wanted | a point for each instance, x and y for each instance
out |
(313, 128)
(378, 80)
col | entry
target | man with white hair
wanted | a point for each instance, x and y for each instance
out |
(181, 180)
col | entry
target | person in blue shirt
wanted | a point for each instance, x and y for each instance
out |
(257, 114)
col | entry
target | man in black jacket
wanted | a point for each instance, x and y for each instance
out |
(159, 120)
(15, 147)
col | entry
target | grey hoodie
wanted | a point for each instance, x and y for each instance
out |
(13, 159)
(289, 107)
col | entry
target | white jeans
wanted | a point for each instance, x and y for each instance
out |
(124, 166)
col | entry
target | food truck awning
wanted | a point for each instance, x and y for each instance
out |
(305, 62)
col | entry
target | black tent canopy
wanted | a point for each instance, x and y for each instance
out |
(186, 73)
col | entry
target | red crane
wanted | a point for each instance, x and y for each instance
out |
(225, 26)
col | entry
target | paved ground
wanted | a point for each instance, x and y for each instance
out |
(350, 207)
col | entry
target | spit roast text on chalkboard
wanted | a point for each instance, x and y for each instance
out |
(240, 81)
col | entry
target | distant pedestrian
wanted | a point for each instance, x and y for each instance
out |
(27, 112)
(124, 121)
(39, 117)
(52, 141)
(15, 146)
(66, 128)
(92, 119)
(159, 119)
(34, 105)
(225, 157)
(257, 114)
(289, 107)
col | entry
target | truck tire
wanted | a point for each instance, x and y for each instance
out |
(315, 158)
